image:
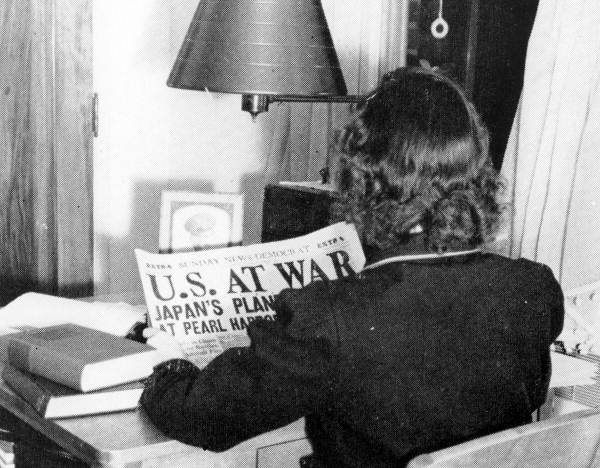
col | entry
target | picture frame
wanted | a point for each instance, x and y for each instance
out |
(191, 221)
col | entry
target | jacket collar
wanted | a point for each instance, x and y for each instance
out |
(416, 250)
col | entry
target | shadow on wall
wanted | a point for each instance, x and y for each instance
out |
(118, 266)
(252, 185)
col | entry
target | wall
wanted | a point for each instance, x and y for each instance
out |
(154, 138)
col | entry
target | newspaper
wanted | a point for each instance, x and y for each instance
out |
(207, 299)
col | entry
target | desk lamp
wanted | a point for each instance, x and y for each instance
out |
(265, 50)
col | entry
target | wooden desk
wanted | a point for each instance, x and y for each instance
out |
(129, 439)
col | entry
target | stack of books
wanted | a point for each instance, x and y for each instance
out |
(70, 370)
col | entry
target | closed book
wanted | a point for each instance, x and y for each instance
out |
(79, 357)
(53, 400)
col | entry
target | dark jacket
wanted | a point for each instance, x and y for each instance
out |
(409, 357)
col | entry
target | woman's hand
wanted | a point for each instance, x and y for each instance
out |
(166, 345)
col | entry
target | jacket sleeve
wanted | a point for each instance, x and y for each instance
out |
(549, 328)
(555, 303)
(286, 372)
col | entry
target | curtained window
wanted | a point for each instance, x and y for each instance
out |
(551, 163)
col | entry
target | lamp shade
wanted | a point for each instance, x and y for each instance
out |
(273, 47)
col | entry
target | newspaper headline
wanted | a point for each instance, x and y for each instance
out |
(207, 299)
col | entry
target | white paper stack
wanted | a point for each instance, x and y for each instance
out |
(568, 371)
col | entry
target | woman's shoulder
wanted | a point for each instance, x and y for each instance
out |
(514, 263)
(523, 271)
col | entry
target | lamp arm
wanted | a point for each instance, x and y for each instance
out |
(293, 98)
(257, 103)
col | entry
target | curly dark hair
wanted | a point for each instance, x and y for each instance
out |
(416, 154)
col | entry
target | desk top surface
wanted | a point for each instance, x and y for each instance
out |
(128, 437)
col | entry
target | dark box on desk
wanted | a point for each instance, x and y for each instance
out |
(292, 211)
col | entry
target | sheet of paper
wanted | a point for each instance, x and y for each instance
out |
(39, 310)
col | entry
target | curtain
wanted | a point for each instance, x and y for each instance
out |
(370, 39)
(552, 162)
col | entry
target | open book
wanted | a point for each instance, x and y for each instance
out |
(206, 299)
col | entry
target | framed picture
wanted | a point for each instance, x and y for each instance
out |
(196, 221)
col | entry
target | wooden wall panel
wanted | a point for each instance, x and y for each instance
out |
(17, 241)
(45, 148)
(73, 146)
(41, 155)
